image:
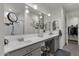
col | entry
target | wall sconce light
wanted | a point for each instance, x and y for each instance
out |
(35, 7)
(49, 14)
(27, 11)
(26, 7)
(40, 16)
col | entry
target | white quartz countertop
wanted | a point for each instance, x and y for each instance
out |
(28, 40)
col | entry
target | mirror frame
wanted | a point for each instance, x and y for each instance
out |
(8, 16)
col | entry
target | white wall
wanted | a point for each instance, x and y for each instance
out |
(2, 30)
(72, 21)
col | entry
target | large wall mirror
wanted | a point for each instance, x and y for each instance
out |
(34, 20)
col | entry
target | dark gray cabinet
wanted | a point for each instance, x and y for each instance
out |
(53, 44)
(35, 49)
(31, 50)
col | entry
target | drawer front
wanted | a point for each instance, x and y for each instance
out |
(19, 52)
(35, 46)
(36, 52)
(30, 54)
(24, 51)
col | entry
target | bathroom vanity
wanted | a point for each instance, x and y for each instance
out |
(29, 32)
(30, 46)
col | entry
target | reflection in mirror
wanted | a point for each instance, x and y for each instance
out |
(34, 20)
(54, 25)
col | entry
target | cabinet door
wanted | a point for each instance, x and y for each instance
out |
(24, 51)
(53, 44)
(56, 43)
(19, 52)
(30, 54)
(37, 52)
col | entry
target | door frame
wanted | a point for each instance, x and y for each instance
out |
(66, 25)
(67, 30)
(78, 30)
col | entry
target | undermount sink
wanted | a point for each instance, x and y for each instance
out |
(24, 40)
(28, 41)
(50, 33)
(20, 39)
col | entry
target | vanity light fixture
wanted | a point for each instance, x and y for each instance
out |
(6, 13)
(40, 16)
(35, 7)
(26, 7)
(27, 11)
(49, 14)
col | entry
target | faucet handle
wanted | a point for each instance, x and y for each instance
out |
(5, 41)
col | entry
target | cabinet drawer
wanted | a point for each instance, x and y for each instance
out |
(36, 52)
(35, 46)
(24, 51)
(30, 54)
(19, 52)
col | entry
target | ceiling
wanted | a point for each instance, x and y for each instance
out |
(16, 7)
(68, 7)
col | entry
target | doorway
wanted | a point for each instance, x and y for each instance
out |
(72, 30)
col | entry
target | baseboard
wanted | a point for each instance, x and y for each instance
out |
(73, 40)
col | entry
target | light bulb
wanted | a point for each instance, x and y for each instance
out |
(49, 14)
(6, 14)
(27, 11)
(26, 7)
(40, 16)
(10, 9)
(35, 7)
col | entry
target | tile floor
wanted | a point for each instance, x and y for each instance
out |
(73, 48)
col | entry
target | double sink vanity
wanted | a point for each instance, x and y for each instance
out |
(29, 45)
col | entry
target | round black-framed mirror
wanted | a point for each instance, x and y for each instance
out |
(12, 17)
